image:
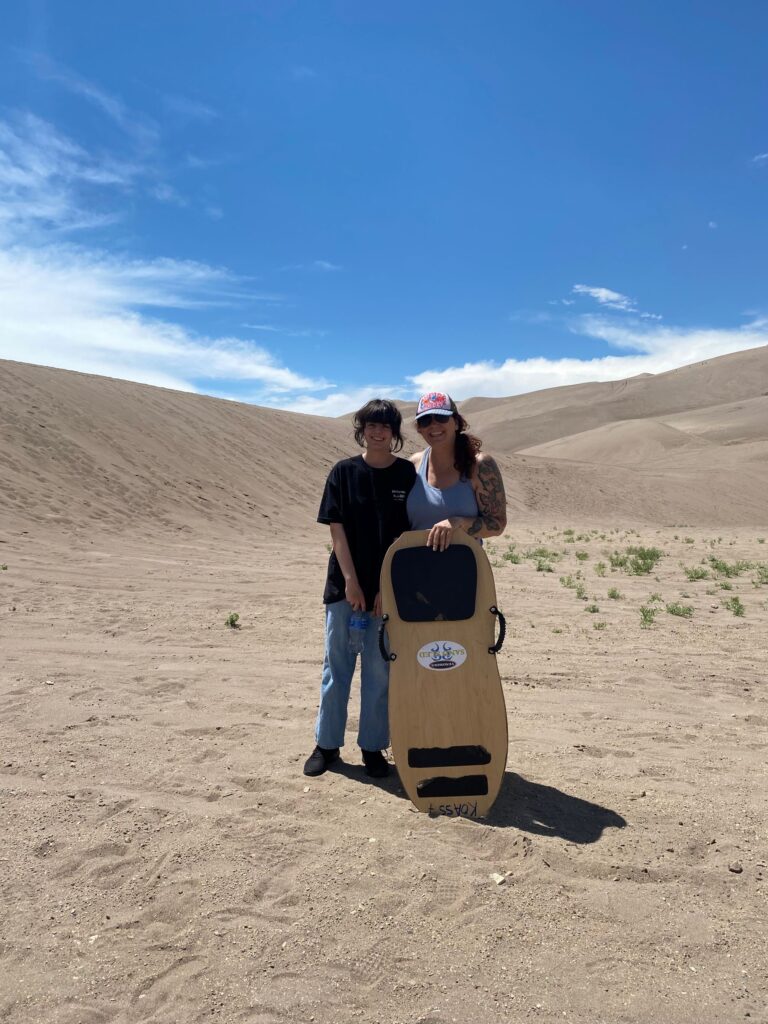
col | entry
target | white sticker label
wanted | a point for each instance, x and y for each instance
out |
(441, 655)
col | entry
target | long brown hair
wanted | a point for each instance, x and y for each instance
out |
(466, 446)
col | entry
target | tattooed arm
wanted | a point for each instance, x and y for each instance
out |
(491, 500)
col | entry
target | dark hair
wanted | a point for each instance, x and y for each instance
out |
(466, 446)
(379, 410)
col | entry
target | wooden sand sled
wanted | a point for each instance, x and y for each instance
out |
(447, 716)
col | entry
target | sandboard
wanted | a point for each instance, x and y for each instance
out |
(447, 716)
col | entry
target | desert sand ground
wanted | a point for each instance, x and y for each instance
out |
(164, 858)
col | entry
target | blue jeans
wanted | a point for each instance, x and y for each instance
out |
(338, 669)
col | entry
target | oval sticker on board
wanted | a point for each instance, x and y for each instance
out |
(441, 654)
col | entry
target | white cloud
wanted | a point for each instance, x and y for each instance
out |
(45, 179)
(712, 224)
(189, 109)
(606, 297)
(325, 265)
(337, 403)
(80, 310)
(761, 158)
(654, 349)
(143, 130)
(165, 193)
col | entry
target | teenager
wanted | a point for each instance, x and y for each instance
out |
(364, 504)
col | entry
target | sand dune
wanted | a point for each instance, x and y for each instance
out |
(87, 452)
(729, 423)
(83, 449)
(631, 443)
(165, 860)
(513, 424)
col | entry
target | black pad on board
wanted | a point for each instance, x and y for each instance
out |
(467, 785)
(447, 757)
(435, 586)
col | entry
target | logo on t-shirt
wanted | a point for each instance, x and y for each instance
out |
(398, 495)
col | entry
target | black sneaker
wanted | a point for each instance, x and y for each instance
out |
(376, 765)
(319, 759)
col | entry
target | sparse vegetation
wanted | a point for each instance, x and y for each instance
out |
(599, 625)
(543, 553)
(723, 568)
(696, 572)
(685, 611)
(542, 565)
(232, 620)
(592, 608)
(614, 594)
(647, 615)
(733, 604)
(600, 568)
(582, 555)
(642, 561)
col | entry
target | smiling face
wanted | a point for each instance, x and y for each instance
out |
(378, 437)
(437, 430)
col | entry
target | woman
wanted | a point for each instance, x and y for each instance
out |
(364, 505)
(457, 486)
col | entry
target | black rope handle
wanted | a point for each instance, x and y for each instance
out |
(502, 630)
(382, 648)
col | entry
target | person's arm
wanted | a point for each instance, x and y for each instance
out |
(491, 500)
(492, 506)
(354, 592)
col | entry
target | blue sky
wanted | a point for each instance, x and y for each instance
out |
(302, 204)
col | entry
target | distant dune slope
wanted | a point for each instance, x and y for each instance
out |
(513, 424)
(77, 448)
(86, 453)
(630, 443)
(730, 423)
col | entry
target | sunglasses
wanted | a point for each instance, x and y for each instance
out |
(430, 418)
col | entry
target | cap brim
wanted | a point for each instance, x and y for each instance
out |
(435, 412)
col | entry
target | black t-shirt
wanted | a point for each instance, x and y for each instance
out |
(370, 505)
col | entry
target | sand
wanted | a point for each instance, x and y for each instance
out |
(165, 860)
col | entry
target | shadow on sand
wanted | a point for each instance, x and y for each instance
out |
(546, 811)
(521, 804)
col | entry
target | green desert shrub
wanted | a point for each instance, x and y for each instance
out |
(733, 604)
(647, 615)
(696, 572)
(729, 569)
(685, 611)
(642, 561)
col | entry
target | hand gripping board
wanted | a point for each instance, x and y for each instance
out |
(447, 716)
